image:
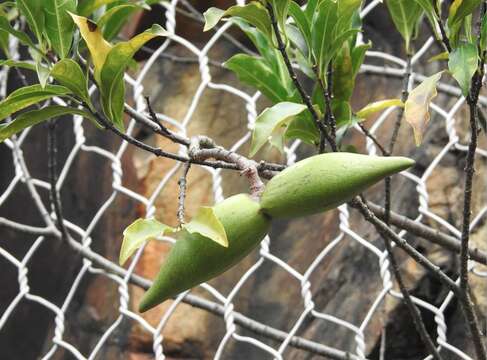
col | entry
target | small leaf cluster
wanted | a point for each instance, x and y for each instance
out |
(57, 56)
(321, 38)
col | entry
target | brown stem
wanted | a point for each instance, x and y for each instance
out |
(182, 192)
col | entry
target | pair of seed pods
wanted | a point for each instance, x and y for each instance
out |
(310, 186)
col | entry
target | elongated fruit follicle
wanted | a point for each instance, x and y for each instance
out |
(195, 259)
(325, 181)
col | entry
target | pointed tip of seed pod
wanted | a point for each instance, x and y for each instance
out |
(402, 163)
(149, 301)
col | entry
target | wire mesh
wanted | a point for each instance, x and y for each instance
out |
(222, 303)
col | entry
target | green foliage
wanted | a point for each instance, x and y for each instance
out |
(429, 7)
(463, 63)
(405, 15)
(253, 13)
(34, 15)
(483, 34)
(330, 28)
(256, 72)
(58, 25)
(319, 37)
(377, 106)
(22, 36)
(69, 74)
(138, 233)
(207, 224)
(204, 223)
(459, 14)
(272, 123)
(111, 83)
(27, 96)
(34, 117)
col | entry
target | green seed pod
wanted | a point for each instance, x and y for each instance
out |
(195, 259)
(325, 181)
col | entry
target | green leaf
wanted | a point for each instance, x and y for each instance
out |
(405, 15)
(272, 120)
(115, 11)
(281, 8)
(483, 34)
(376, 106)
(322, 32)
(22, 36)
(342, 111)
(358, 56)
(59, 26)
(254, 72)
(69, 74)
(138, 233)
(27, 96)
(20, 64)
(416, 108)
(343, 76)
(41, 69)
(114, 24)
(34, 117)
(428, 7)
(271, 56)
(88, 7)
(463, 63)
(303, 128)
(42, 73)
(441, 56)
(32, 11)
(301, 22)
(212, 17)
(460, 9)
(253, 13)
(4, 43)
(208, 225)
(111, 76)
(310, 9)
(297, 39)
(97, 45)
(331, 26)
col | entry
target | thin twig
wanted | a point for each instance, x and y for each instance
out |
(472, 101)
(385, 230)
(182, 192)
(408, 301)
(373, 138)
(52, 170)
(468, 305)
(248, 167)
(265, 170)
(425, 232)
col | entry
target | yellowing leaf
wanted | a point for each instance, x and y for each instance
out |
(376, 106)
(441, 56)
(416, 109)
(111, 75)
(138, 233)
(208, 225)
(98, 46)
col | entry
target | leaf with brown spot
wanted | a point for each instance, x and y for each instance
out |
(416, 109)
(98, 46)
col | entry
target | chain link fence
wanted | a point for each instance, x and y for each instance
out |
(221, 304)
